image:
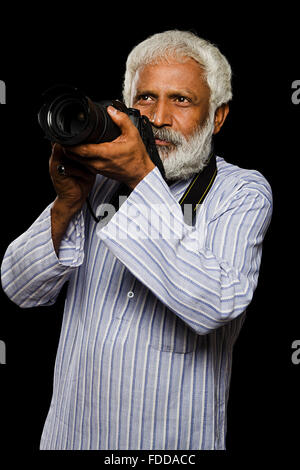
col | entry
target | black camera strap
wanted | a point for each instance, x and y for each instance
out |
(192, 198)
(198, 190)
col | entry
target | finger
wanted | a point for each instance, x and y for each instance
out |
(57, 152)
(122, 120)
(70, 173)
(65, 167)
(88, 151)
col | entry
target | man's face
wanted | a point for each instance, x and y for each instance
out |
(173, 96)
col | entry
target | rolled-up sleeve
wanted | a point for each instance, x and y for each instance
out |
(31, 272)
(205, 274)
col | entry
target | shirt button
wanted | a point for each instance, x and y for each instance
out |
(130, 294)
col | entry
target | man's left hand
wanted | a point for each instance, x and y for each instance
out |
(124, 159)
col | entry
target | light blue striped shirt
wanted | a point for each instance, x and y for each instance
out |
(152, 311)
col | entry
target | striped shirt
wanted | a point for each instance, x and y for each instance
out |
(152, 311)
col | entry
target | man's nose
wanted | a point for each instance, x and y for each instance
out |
(160, 115)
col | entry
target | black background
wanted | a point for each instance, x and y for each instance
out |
(88, 48)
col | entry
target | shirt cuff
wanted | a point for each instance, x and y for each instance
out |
(71, 250)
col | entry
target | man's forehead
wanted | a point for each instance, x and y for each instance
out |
(187, 74)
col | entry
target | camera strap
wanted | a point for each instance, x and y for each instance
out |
(192, 198)
(197, 190)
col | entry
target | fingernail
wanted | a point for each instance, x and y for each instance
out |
(112, 110)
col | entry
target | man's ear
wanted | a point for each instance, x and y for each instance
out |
(220, 116)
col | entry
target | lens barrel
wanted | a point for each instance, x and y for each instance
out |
(68, 117)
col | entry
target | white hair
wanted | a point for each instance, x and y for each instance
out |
(179, 45)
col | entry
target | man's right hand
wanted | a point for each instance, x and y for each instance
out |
(72, 189)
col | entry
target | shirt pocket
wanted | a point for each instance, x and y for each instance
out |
(170, 334)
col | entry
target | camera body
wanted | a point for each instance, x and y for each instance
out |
(68, 117)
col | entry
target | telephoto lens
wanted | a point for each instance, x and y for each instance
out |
(68, 117)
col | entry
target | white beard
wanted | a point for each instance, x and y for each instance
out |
(189, 155)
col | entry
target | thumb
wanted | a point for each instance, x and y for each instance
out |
(121, 119)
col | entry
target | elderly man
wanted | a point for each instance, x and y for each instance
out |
(154, 304)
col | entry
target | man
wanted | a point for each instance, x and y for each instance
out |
(154, 305)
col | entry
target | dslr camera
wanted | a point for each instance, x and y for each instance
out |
(68, 117)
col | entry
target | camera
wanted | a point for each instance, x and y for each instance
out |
(68, 117)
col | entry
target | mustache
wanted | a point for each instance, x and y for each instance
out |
(169, 135)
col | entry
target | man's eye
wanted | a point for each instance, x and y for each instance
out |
(182, 99)
(144, 98)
